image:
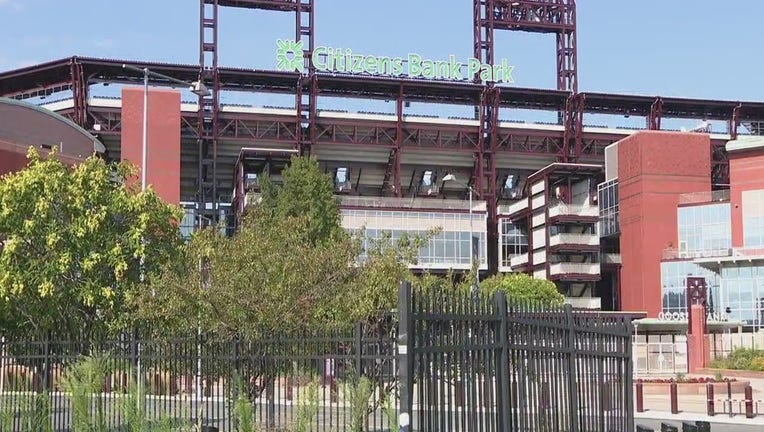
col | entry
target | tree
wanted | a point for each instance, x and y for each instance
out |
(524, 289)
(290, 267)
(74, 241)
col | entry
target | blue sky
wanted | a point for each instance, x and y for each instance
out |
(647, 47)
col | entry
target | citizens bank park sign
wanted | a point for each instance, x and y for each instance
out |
(336, 60)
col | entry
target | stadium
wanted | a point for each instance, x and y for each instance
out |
(475, 177)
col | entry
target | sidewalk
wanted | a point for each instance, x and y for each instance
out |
(693, 417)
(692, 405)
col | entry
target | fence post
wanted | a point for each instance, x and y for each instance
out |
(503, 402)
(46, 372)
(236, 379)
(640, 397)
(710, 399)
(748, 402)
(405, 356)
(358, 337)
(629, 375)
(673, 398)
(571, 351)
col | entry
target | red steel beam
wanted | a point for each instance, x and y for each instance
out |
(573, 123)
(538, 16)
(656, 112)
(79, 94)
(735, 121)
(208, 111)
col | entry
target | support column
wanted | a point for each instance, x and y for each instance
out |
(79, 93)
(306, 102)
(656, 112)
(208, 128)
(573, 123)
(698, 352)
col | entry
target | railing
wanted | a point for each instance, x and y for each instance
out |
(215, 382)
(744, 252)
(610, 258)
(518, 260)
(575, 268)
(416, 203)
(516, 207)
(562, 209)
(574, 239)
(705, 197)
(584, 302)
(674, 254)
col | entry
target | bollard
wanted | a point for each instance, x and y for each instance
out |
(710, 399)
(640, 398)
(642, 428)
(689, 427)
(729, 395)
(666, 427)
(674, 401)
(749, 402)
(703, 426)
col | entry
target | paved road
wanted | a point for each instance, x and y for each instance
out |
(721, 427)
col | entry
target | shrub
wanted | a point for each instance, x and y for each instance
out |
(742, 359)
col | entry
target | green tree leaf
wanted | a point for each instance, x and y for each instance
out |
(72, 243)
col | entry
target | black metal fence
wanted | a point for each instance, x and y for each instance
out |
(333, 381)
(445, 362)
(481, 364)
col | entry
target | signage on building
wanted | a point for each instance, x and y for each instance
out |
(338, 60)
(683, 316)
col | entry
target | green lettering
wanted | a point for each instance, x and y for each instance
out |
(370, 65)
(486, 72)
(358, 65)
(507, 71)
(318, 62)
(428, 69)
(498, 72)
(442, 69)
(339, 59)
(473, 67)
(384, 65)
(415, 65)
(455, 68)
(397, 66)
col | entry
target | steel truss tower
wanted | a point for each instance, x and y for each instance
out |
(538, 16)
(209, 106)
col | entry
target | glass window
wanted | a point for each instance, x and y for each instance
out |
(674, 284)
(705, 228)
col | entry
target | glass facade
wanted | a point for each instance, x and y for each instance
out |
(753, 218)
(514, 241)
(674, 285)
(704, 228)
(448, 249)
(743, 293)
(607, 196)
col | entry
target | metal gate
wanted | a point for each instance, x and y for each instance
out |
(472, 363)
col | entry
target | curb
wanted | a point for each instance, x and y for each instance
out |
(687, 416)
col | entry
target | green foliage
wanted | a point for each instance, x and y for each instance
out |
(360, 393)
(84, 382)
(521, 288)
(291, 267)
(72, 242)
(307, 409)
(34, 412)
(742, 359)
(307, 193)
(244, 414)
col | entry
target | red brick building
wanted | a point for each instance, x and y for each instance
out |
(23, 125)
